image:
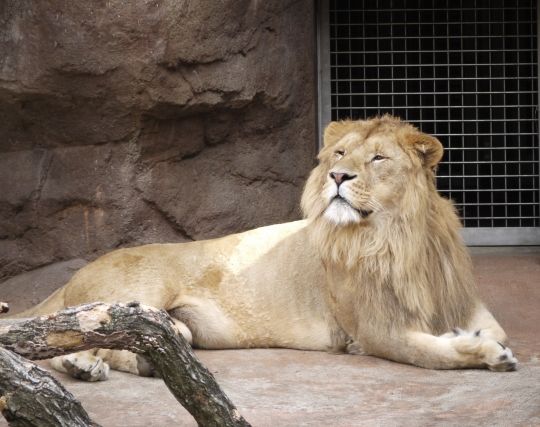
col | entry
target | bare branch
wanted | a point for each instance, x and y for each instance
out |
(30, 396)
(132, 327)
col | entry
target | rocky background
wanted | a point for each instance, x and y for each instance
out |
(128, 122)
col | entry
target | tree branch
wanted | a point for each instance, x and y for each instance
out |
(30, 396)
(132, 327)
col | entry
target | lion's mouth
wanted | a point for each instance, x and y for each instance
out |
(340, 199)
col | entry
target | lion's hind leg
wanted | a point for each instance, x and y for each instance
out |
(94, 365)
(84, 365)
(125, 361)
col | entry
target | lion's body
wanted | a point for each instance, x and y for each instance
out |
(231, 292)
(379, 261)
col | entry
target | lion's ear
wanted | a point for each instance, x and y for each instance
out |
(335, 131)
(429, 149)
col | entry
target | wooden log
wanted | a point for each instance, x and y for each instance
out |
(31, 397)
(142, 330)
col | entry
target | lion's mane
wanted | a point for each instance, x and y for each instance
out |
(409, 268)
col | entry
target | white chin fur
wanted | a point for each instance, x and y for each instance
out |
(341, 213)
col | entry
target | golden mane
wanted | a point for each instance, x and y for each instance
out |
(410, 262)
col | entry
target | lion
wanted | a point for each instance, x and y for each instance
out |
(377, 267)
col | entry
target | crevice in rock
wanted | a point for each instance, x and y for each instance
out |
(45, 167)
(20, 234)
(73, 203)
(170, 219)
(262, 179)
(72, 71)
(180, 63)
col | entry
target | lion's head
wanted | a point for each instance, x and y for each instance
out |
(366, 168)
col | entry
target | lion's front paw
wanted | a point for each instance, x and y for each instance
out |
(86, 367)
(485, 351)
(501, 359)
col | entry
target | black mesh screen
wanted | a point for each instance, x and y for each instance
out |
(463, 70)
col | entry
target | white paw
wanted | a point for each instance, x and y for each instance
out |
(86, 367)
(501, 359)
(484, 351)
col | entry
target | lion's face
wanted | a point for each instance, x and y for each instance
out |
(365, 168)
(364, 176)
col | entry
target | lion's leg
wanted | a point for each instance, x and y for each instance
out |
(94, 365)
(454, 350)
(125, 361)
(84, 365)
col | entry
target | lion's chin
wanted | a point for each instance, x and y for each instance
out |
(339, 212)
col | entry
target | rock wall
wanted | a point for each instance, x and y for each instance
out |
(123, 123)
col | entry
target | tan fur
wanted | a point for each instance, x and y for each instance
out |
(384, 267)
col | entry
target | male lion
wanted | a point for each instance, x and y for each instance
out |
(378, 264)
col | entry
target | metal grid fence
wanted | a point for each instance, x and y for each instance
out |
(463, 70)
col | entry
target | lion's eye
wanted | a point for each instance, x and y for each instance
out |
(378, 158)
(339, 153)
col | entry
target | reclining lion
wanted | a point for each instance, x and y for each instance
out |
(378, 263)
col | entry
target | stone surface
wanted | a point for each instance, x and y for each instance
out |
(274, 387)
(157, 120)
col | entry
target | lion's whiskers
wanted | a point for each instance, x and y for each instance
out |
(374, 205)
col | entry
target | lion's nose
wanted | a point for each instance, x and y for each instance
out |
(339, 177)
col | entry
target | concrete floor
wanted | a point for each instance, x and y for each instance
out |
(274, 387)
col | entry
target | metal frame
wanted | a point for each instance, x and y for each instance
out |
(474, 236)
(323, 65)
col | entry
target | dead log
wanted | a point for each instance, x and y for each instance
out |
(30, 396)
(132, 327)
